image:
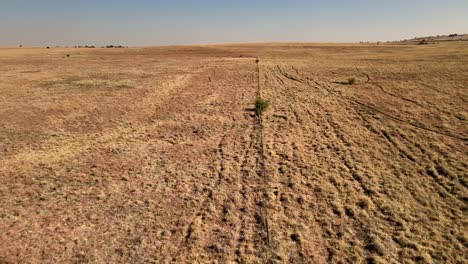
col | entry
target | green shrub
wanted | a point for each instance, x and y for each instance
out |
(261, 106)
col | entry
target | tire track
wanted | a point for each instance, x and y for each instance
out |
(292, 239)
(462, 138)
(200, 212)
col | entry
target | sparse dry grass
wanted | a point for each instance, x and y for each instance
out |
(148, 154)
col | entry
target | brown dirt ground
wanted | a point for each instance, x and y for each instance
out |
(153, 155)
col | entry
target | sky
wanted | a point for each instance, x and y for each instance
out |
(178, 22)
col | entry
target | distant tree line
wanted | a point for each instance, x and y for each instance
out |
(114, 47)
(103, 47)
(90, 47)
(86, 46)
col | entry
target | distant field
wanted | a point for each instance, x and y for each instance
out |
(154, 155)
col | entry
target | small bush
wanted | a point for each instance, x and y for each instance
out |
(261, 106)
(423, 42)
(351, 81)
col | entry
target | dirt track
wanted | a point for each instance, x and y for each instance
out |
(153, 154)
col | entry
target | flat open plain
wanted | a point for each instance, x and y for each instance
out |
(153, 154)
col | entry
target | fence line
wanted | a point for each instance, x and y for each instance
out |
(263, 162)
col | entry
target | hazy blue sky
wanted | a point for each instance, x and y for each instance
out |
(145, 22)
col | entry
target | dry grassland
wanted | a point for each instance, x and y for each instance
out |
(154, 155)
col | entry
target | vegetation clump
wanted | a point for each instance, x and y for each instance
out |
(261, 106)
(351, 81)
(423, 42)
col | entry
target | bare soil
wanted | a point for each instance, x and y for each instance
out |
(147, 155)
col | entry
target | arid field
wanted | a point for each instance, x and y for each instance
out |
(154, 155)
